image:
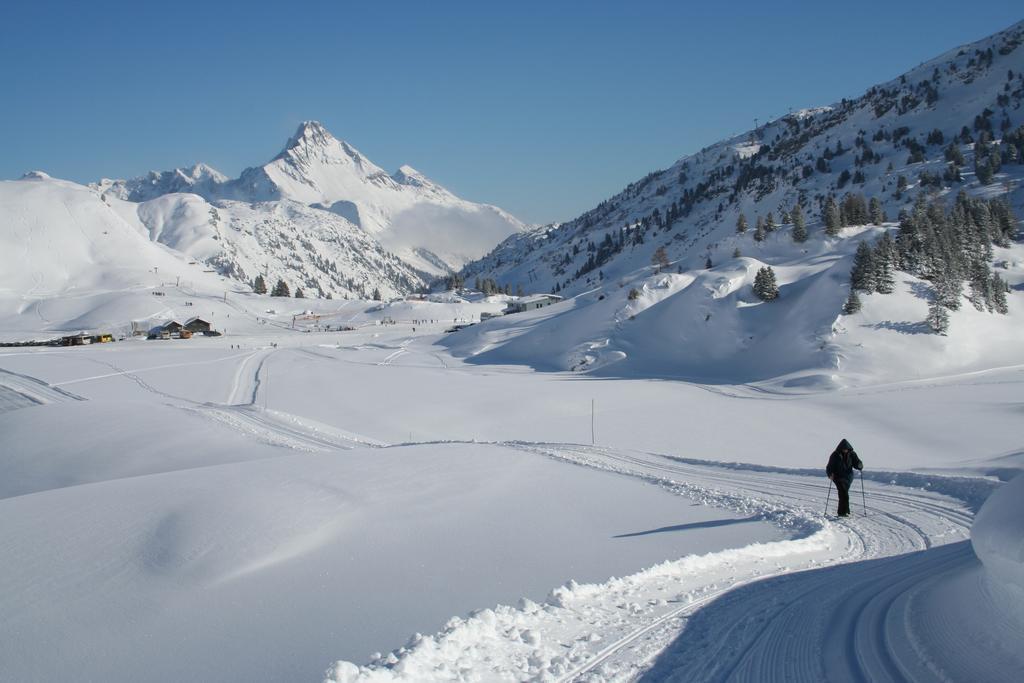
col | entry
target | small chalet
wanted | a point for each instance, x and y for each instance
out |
(76, 340)
(532, 302)
(165, 331)
(197, 325)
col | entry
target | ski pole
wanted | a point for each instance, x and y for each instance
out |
(863, 498)
(829, 496)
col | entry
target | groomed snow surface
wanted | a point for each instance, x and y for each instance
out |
(257, 506)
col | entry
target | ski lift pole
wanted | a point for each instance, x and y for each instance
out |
(829, 496)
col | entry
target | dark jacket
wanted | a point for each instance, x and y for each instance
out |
(843, 462)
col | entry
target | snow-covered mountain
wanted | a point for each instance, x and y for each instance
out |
(61, 238)
(411, 216)
(952, 124)
(198, 179)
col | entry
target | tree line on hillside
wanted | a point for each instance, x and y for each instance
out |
(281, 288)
(947, 246)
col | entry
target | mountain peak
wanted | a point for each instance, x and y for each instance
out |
(313, 142)
(200, 172)
(310, 133)
(407, 175)
(408, 171)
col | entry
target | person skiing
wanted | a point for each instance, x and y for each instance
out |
(841, 465)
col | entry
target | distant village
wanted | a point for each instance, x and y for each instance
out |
(171, 329)
(197, 325)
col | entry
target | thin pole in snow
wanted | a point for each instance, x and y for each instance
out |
(863, 498)
(829, 496)
(593, 438)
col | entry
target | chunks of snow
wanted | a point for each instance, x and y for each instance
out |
(998, 534)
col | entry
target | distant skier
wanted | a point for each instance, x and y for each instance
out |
(841, 465)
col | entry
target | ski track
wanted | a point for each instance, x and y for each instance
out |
(837, 592)
(398, 352)
(745, 614)
(22, 391)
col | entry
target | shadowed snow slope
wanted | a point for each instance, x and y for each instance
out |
(998, 537)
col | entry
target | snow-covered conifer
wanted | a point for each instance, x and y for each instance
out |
(765, 286)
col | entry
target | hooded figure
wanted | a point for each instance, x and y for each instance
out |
(841, 465)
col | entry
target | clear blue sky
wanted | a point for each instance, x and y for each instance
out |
(543, 108)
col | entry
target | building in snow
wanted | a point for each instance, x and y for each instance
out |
(532, 302)
(197, 324)
(80, 339)
(166, 330)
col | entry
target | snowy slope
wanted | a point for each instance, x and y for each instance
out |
(61, 238)
(706, 324)
(410, 215)
(259, 505)
(318, 251)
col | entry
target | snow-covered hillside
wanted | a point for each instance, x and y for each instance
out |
(954, 124)
(59, 238)
(410, 215)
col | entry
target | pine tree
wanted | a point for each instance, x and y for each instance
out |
(983, 172)
(883, 258)
(862, 275)
(659, 258)
(799, 225)
(259, 285)
(765, 286)
(376, 294)
(885, 282)
(769, 222)
(980, 293)
(938, 317)
(741, 224)
(707, 264)
(833, 222)
(299, 294)
(877, 212)
(281, 289)
(852, 304)
(759, 231)
(999, 288)
(736, 253)
(948, 289)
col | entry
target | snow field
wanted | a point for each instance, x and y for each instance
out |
(282, 491)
